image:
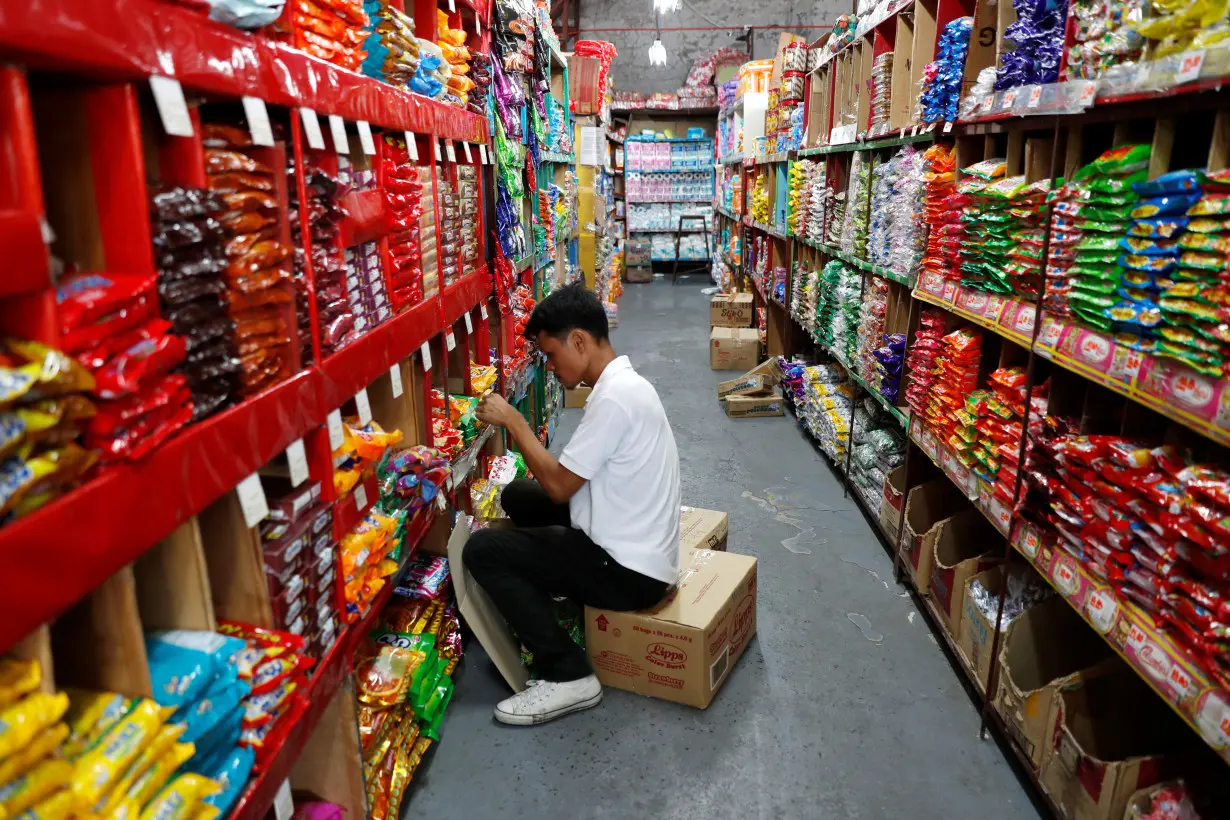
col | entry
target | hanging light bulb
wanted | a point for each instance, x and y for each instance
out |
(666, 6)
(657, 53)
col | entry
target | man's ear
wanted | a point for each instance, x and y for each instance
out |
(580, 340)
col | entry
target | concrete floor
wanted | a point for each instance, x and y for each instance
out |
(821, 718)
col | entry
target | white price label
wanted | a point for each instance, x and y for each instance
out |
(1189, 68)
(482, 309)
(482, 153)
(466, 147)
(478, 25)
(450, 340)
(452, 5)
(311, 128)
(988, 102)
(1035, 97)
(1030, 544)
(425, 352)
(450, 150)
(436, 144)
(172, 107)
(365, 137)
(283, 805)
(947, 127)
(296, 457)
(337, 436)
(1102, 610)
(364, 405)
(1088, 92)
(1009, 97)
(469, 323)
(360, 497)
(252, 500)
(914, 131)
(412, 145)
(395, 380)
(337, 130)
(257, 115)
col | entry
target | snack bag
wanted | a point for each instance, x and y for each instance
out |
(181, 798)
(25, 719)
(232, 775)
(19, 794)
(389, 664)
(17, 678)
(156, 749)
(98, 768)
(20, 762)
(183, 662)
(153, 778)
(59, 806)
(90, 716)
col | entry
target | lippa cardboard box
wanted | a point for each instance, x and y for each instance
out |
(732, 310)
(757, 381)
(925, 507)
(701, 529)
(681, 650)
(746, 407)
(965, 544)
(1112, 737)
(1048, 650)
(734, 348)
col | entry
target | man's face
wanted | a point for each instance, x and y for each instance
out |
(567, 359)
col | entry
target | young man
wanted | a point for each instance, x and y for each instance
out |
(600, 525)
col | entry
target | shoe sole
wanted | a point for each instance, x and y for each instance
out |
(545, 717)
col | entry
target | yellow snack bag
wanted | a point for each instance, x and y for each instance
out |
(124, 810)
(91, 715)
(98, 768)
(23, 720)
(206, 812)
(40, 782)
(155, 777)
(180, 798)
(59, 806)
(43, 744)
(157, 748)
(18, 678)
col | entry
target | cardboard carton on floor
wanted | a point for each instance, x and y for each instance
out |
(1049, 649)
(1112, 737)
(925, 507)
(746, 407)
(681, 650)
(577, 396)
(734, 348)
(965, 544)
(732, 310)
(758, 381)
(701, 529)
(894, 498)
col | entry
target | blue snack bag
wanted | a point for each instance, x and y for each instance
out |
(184, 662)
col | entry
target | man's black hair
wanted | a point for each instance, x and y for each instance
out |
(572, 307)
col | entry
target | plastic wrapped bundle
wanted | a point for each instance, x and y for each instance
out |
(920, 363)
(820, 200)
(825, 408)
(837, 219)
(1037, 40)
(333, 30)
(1104, 36)
(392, 49)
(881, 89)
(944, 237)
(955, 376)
(942, 78)
(873, 309)
(889, 358)
(858, 200)
(828, 284)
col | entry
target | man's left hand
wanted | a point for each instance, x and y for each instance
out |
(493, 409)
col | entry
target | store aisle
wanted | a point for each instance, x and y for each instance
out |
(821, 718)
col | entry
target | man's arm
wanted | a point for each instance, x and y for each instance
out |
(558, 481)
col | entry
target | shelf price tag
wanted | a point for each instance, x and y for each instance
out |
(257, 115)
(1009, 98)
(336, 435)
(1189, 69)
(452, 6)
(360, 497)
(1035, 96)
(296, 457)
(337, 130)
(172, 107)
(365, 137)
(412, 145)
(466, 147)
(482, 309)
(450, 340)
(478, 25)
(395, 379)
(283, 805)
(469, 323)
(311, 127)
(364, 405)
(482, 152)
(436, 144)
(252, 500)
(425, 352)
(450, 150)
(988, 102)
(947, 127)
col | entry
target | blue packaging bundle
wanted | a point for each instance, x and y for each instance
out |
(392, 49)
(426, 79)
(1037, 36)
(889, 359)
(942, 78)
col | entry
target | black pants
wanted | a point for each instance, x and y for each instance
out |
(544, 556)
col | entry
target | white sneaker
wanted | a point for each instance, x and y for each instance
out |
(545, 700)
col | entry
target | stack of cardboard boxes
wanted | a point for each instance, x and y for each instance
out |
(753, 394)
(733, 343)
(1059, 690)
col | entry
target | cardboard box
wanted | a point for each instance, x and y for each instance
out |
(977, 631)
(577, 396)
(702, 529)
(745, 385)
(583, 88)
(894, 498)
(638, 270)
(925, 507)
(734, 348)
(965, 544)
(784, 39)
(746, 407)
(1111, 738)
(732, 310)
(681, 650)
(1048, 650)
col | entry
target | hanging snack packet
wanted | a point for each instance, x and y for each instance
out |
(25, 719)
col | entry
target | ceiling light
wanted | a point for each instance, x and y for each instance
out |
(666, 6)
(657, 53)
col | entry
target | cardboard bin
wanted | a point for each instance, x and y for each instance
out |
(925, 507)
(732, 310)
(734, 348)
(1049, 649)
(1112, 737)
(681, 650)
(701, 529)
(965, 544)
(894, 497)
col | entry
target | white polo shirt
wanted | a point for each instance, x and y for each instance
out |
(625, 450)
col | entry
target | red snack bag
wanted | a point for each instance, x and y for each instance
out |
(97, 356)
(122, 320)
(273, 672)
(114, 416)
(222, 160)
(262, 635)
(145, 434)
(247, 221)
(224, 136)
(247, 200)
(147, 360)
(85, 298)
(1207, 482)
